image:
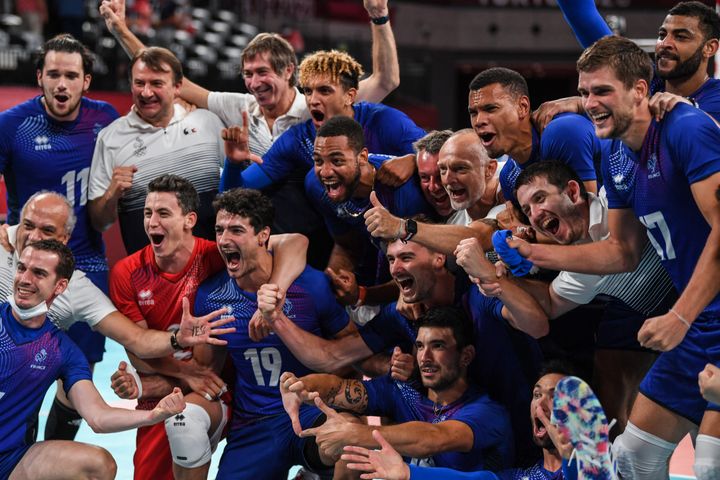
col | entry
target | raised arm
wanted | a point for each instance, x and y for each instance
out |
(385, 76)
(113, 11)
(103, 418)
(618, 253)
(314, 352)
(585, 20)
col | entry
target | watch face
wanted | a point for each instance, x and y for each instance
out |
(411, 226)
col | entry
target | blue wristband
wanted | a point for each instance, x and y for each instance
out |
(519, 266)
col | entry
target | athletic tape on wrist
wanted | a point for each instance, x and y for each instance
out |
(131, 370)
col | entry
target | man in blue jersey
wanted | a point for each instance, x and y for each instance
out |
(35, 353)
(687, 40)
(330, 81)
(47, 143)
(506, 360)
(499, 108)
(342, 187)
(261, 443)
(389, 465)
(450, 422)
(663, 188)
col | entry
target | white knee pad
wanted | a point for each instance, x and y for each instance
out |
(641, 455)
(707, 458)
(191, 443)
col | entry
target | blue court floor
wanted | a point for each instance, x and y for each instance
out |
(122, 445)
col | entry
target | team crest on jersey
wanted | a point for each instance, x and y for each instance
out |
(145, 298)
(40, 357)
(139, 146)
(42, 142)
(652, 167)
(288, 308)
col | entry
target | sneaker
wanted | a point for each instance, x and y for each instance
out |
(579, 415)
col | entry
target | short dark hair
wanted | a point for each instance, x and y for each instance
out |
(511, 81)
(629, 62)
(708, 18)
(450, 317)
(342, 126)
(65, 43)
(248, 203)
(66, 261)
(556, 366)
(432, 142)
(158, 59)
(556, 172)
(280, 53)
(183, 189)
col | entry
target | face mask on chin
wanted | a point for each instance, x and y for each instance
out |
(27, 313)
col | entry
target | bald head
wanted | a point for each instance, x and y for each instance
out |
(465, 168)
(45, 216)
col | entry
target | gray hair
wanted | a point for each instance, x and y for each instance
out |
(432, 142)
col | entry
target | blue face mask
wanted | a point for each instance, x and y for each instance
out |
(27, 313)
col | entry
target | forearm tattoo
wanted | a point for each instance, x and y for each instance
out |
(355, 395)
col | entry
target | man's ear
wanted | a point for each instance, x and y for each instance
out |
(573, 191)
(362, 157)
(263, 236)
(350, 96)
(710, 48)
(60, 286)
(523, 106)
(190, 220)
(467, 355)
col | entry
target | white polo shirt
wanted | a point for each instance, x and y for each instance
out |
(229, 107)
(81, 301)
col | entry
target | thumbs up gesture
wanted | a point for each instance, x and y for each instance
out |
(380, 222)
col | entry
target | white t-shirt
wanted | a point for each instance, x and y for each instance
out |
(642, 290)
(229, 107)
(81, 301)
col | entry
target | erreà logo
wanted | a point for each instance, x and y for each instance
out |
(42, 142)
(145, 297)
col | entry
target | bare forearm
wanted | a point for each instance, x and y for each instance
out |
(156, 386)
(127, 39)
(382, 294)
(338, 392)
(422, 439)
(522, 310)
(703, 285)
(599, 258)
(317, 353)
(289, 258)
(143, 342)
(445, 238)
(386, 68)
(103, 212)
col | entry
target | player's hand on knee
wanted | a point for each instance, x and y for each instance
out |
(170, 405)
(709, 381)
(5, 239)
(402, 365)
(270, 300)
(203, 380)
(124, 383)
(258, 328)
(662, 333)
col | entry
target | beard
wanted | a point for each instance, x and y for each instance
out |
(684, 69)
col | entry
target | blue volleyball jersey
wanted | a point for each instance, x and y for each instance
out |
(536, 472)
(387, 131)
(38, 152)
(568, 137)
(492, 436)
(30, 362)
(655, 182)
(309, 303)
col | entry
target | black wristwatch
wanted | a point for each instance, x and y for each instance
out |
(380, 20)
(410, 230)
(174, 342)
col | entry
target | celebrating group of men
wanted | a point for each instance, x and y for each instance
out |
(610, 199)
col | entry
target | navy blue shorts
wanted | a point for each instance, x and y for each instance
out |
(267, 448)
(91, 343)
(673, 380)
(10, 459)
